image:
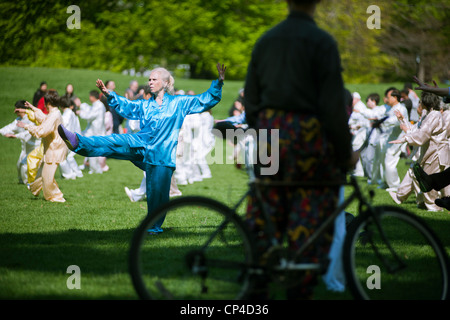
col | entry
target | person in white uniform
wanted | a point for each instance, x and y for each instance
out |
(390, 153)
(359, 127)
(415, 102)
(206, 143)
(29, 143)
(69, 167)
(95, 116)
(370, 154)
(191, 147)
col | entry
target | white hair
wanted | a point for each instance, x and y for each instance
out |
(167, 77)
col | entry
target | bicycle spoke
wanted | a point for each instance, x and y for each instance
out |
(201, 254)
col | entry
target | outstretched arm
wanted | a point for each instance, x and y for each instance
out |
(205, 101)
(30, 106)
(126, 108)
(443, 92)
(221, 68)
(34, 114)
(102, 87)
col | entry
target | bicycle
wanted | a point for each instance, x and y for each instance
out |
(212, 253)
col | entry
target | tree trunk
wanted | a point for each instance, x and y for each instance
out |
(421, 71)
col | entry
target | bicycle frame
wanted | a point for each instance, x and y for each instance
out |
(364, 206)
(355, 195)
(278, 264)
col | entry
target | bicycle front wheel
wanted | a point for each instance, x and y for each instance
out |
(202, 253)
(394, 255)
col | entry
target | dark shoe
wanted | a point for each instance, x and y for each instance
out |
(425, 182)
(443, 203)
(69, 138)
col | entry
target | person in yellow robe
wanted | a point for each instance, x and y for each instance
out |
(34, 158)
(55, 150)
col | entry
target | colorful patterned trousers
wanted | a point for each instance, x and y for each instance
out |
(304, 155)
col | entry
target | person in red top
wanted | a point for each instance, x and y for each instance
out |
(41, 105)
(38, 98)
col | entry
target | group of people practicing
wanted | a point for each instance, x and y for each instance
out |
(316, 144)
(44, 147)
(67, 109)
(417, 128)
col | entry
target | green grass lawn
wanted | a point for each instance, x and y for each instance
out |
(39, 240)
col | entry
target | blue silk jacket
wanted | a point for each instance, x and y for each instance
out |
(160, 125)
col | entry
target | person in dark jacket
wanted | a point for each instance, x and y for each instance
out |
(294, 86)
(39, 93)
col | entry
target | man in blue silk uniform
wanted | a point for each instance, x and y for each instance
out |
(153, 149)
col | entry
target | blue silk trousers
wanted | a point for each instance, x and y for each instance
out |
(116, 146)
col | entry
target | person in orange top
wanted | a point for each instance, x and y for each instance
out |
(55, 150)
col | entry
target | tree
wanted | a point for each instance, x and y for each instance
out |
(361, 55)
(418, 36)
(202, 32)
(24, 28)
(123, 34)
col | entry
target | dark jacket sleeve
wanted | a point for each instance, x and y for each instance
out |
(331, 103)
(252, 97)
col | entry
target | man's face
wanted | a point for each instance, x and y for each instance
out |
(155, 82)
(134, 86)
(392, 101)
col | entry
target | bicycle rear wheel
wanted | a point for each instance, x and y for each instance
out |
(202, 253)
(415, 267)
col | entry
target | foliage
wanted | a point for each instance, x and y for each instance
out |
(362, 58)
(418, 36)
(137, 34)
